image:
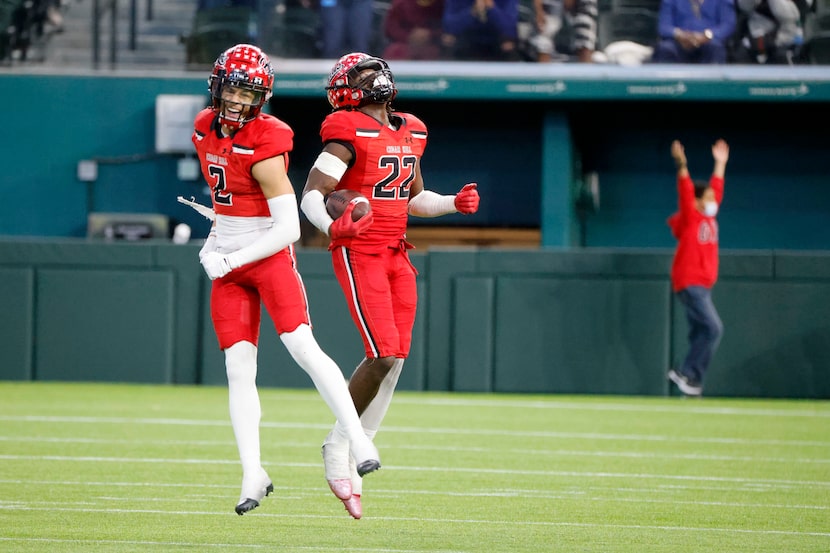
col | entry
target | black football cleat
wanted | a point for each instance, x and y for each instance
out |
(367, 466)
(250, 504)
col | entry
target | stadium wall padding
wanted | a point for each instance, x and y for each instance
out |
(591, 321)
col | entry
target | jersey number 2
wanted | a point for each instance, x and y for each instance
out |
(219, 184)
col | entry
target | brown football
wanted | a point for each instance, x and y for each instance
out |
(339, 200)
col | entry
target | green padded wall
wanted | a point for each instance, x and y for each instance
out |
(17, 322)
(110, 325)
(473, 337)
(489, 320)
(580, 335)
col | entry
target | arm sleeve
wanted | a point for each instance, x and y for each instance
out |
(457, 16)
(430, 204)
(284, 231)
(505, 16)
(685, 195)
(314, 207)
(717, 186)
(665, 21)
(585, 25)
(726, 21)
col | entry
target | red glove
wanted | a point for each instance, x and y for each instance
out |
(466, 201)
(344, 227)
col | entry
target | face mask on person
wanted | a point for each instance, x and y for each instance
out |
(710, 209)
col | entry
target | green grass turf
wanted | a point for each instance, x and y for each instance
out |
(126, 468)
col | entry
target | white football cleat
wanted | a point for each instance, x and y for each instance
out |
(254, 488)
(336, 462)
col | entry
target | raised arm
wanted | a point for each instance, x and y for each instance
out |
(678, 154)
(720, 153)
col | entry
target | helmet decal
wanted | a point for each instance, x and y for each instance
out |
(242, 66)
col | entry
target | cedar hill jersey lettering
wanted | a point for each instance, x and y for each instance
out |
(227, 161)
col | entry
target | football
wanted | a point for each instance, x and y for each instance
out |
(339, 200)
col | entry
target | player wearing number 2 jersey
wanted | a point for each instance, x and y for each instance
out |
(249, 257)
(370, 148)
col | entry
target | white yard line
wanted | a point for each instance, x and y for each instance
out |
(442, 448)
(478, 471)
(442, 521)
(418, 430)
(680, 406)
(222, 546)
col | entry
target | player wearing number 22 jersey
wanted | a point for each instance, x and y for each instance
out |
(370, 148)
(383, 170)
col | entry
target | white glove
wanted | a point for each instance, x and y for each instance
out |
(216, 264)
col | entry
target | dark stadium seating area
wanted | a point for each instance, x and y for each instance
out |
(289, 29)
(23, 23)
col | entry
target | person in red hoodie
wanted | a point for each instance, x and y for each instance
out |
(694, 270)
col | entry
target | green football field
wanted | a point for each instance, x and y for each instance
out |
(130, 468)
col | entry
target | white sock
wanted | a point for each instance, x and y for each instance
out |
(243, 401)
(327, 378)
(374, 413)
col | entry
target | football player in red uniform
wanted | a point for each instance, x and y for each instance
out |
(249, 256)
(369, 147)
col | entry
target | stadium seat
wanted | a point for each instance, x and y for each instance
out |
(295, 33)
(216, 29)
(816, 48)
(635, 24)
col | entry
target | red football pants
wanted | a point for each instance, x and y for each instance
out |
(275, 282)
(382, 296)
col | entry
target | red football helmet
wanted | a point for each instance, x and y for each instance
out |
(348, 89)
(242, 66)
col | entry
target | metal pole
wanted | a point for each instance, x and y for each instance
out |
(114, 32)
(96, 34)
(149, 10)
(133, 17)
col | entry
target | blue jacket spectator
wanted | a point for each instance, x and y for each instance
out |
(694, 31)
(484, 30)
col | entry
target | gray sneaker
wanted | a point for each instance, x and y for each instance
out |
(686, 385)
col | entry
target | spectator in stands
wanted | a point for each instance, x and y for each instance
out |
(770, 31)
(484, 30)
(694, 31)
(413, 30)
(694, 270)
(210, 4)
(564, 28)
(345, 26)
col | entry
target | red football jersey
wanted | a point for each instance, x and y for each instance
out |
(226, 161)
(382, 170)
(696, 257)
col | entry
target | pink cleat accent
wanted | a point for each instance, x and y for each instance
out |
(353, 506)
(341, 487)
